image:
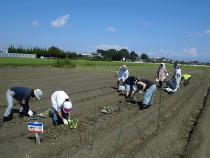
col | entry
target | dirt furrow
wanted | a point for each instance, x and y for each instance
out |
(127, 132)
(173, 135)
(198, 141)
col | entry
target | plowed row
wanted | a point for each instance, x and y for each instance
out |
(160, 131)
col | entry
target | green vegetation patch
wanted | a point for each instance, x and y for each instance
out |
(17, 62)
(65, 63)
(111, 66)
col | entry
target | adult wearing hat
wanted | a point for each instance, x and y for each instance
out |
(161, 74)
(122, 74)
(22, 95)
(61, 108)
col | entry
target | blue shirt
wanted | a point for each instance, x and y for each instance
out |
(171, 84)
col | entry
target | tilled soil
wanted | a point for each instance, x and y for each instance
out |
(199, 141)
(163, 130)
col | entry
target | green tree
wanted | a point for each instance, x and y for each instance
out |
(133, 56)
(144, 56)
(11, 49)
(123, 53)
(100, 51)
(54, 51)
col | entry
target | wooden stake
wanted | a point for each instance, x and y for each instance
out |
(37, 136)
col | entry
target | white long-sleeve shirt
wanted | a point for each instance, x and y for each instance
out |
(177, 73)
(122, 74)
(58, 98)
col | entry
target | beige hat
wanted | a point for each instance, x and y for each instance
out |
(124, 66)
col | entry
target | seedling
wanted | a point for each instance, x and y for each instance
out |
(73, 123)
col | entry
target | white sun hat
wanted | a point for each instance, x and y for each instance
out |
(38, 93)
(162, 64)
(67, 106)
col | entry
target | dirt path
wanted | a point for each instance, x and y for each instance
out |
(160, 131)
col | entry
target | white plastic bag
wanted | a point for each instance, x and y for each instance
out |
(30, 113)
(121, 88)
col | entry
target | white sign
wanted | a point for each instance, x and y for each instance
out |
(35, 127)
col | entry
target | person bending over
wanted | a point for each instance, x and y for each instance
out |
(149, 89)
(22, 95)
(61, 108)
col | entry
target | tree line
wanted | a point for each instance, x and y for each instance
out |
(54, 52)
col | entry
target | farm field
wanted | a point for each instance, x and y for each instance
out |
(172, 127)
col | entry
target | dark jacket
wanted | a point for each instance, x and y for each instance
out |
(147, 82)
(23, 95)
(171, 84)
(131, 80)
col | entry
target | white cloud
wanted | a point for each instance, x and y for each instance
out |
(191, 51)
(196, 34)
(186, 54)
(107, 47)
(207, 32)
(167, 53)
(59, 22)
(111, 29)
(34, 24)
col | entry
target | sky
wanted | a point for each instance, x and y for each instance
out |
(175, 29)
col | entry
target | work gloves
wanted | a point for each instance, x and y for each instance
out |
(65, 122)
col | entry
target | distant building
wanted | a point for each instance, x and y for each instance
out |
(87, 55)
(160, 60)
(16, 55)
(96, 55)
